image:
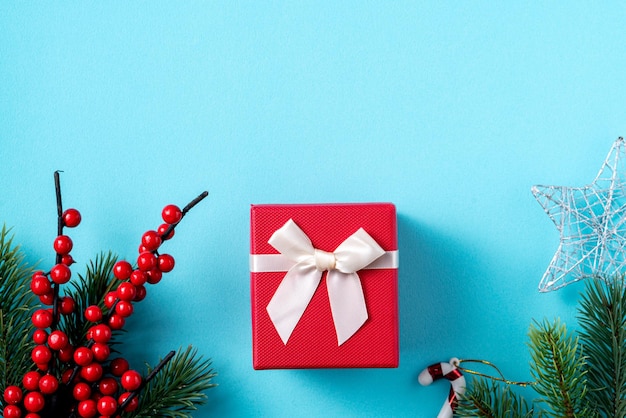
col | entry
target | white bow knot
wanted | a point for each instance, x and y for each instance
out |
(345, 293)
(324, 260)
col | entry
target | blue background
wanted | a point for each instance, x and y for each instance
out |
(452, 111)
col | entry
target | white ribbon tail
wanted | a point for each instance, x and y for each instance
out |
(347, 303)
(292, 297)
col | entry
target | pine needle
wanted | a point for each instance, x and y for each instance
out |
(602, 316)
(490, 399)
(178, 388)
(86, 291)
(558, 368)
(16, 307)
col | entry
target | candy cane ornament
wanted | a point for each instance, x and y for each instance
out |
(457, 381)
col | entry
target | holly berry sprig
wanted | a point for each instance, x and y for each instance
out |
(80, 380)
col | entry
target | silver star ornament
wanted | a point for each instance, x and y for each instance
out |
(592, 224)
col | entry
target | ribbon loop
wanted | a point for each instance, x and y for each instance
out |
(345, 293)
(357, 252)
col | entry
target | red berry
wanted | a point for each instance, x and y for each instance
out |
(138, 277)
(101, 333)
(31, 380)
(40, 285)
(107, 405)
(91, 372)
(141, 293)
(81, 391)
(108, 386)
(43, 366)
(47, 298)
(146, 261)
(48, 384)
(34, 401)
(34, 415)
(87, 408)
(66, 305)
(40, 336)
(60, 274)
(172, 214)
(12, 395)
(71, 218)
(41, 354)
(110, 299)
(93, 313)
(131, 380)
(118, 366)
(66, 354)
(67, 259)
(83, 356)
(122, 270)
(151, 240)
(57, 340)
(100, 352)
(42, 318)
(67, 375)
(132, 404)
(116, 321)
(12, 411)
(154, 276)
(124, 308)
(165, 263)
(63, 244)
(162, 229)
(126, 291)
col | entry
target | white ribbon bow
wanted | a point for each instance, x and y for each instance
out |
(345, 293)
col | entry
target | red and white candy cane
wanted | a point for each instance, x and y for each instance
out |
(457, 381)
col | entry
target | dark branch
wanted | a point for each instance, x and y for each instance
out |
(147, 380)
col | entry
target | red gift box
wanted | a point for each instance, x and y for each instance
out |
(351, 319)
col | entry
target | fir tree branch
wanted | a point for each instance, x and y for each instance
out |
(558, 368)
(602, 317)
(490, 399)
(86, 291)
(178, 388)
(15, 275)
(16, 307)
(146, 381)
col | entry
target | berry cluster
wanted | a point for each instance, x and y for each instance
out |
(80, 380)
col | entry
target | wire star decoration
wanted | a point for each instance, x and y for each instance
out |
(592, 224)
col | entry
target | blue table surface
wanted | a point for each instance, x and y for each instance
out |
(450, 110)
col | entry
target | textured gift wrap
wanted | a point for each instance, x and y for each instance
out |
(360, 329)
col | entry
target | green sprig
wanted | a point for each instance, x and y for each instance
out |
(602, 317)
(488, 398)
(88, 290)
(17, 304)
(558, 368)
(178, 388)
(582, 376)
